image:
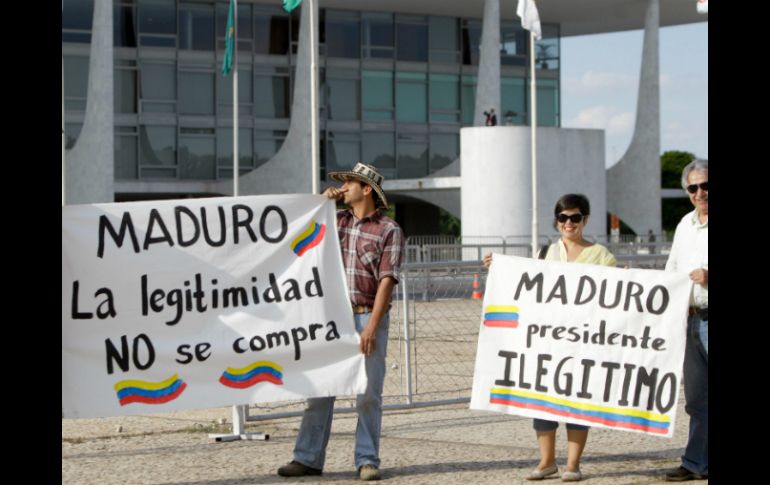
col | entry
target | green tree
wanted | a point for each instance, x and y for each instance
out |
(671, 165)
(672, 210)
(448, 224)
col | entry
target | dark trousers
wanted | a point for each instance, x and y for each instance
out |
(545, 425)
(696, 393)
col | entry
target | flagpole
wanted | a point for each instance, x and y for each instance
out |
(533, 129)
(63, 167)
(63, 137)
(314, 165)
(236, 171)
(238, 411)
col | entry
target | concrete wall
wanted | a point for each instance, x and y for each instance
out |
(89, 167)
(496, 180)
(634, 182)
(488, 77)
(288, 171)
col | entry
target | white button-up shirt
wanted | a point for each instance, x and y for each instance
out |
(690, 251)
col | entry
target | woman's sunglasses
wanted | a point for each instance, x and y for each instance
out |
(575, 218)
(704, 186)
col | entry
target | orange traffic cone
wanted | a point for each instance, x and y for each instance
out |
(476, 295)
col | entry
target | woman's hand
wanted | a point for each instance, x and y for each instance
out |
(487, 260)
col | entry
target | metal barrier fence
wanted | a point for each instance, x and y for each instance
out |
(660, 248)
(644, 261)
(431, 253)
(442, 323)
(435, 253)
(431, 239)
(434, 325)
(626, 238)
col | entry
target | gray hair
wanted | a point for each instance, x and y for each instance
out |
(697, 164)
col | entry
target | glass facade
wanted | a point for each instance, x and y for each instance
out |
(272, 93)
(514, 99)
(378, 95)
(378, 38)
(411, 38)
(157, 23)
(444, 98)
(342, 95)
(76, 19)
(225, 151)
(444, 40)
(196, 27)
(196, 154)
(343, 36)
(411, 97)
(395, 89)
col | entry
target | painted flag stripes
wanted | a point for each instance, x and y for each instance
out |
(310, 238)
(145, 392)
(631, 419)
(505, 316)
(252, 374)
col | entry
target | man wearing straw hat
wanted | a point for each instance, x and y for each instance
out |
(372, 249)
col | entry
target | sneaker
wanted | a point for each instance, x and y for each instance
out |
(297, 469)
(682, 474)
(369, 472)
(538, 474)
(569, 476)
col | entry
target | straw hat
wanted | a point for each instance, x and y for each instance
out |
(367, 174)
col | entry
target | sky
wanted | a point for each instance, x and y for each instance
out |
(600, 82)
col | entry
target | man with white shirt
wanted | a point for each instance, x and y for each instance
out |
(689, 254)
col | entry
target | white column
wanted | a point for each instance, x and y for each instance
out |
(90, 169)
(488, 78)
(633, 184)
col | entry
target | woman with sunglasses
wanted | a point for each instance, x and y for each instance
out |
(570, 219)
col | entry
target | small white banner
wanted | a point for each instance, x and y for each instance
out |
(204, 302)
(580, 343)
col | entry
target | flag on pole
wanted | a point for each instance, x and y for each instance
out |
(530, 19)
(227, 63)
(703, 6)
(290, 5)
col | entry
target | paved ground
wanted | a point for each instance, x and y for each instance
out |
(438, 445)
(448, 445)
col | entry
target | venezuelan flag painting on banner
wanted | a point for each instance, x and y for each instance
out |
(196, 303)
(584, 344)
(310, 238)
(131, 391)
(252, 374)
(504, 316)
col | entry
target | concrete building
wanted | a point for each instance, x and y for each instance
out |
(402, 84)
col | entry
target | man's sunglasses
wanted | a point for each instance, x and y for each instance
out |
(704, 186)
(575, 218)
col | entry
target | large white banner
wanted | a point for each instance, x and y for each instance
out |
(204, 302)
(580, 343)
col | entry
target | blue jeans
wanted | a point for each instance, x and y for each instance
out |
(696, 393)
(310, 449)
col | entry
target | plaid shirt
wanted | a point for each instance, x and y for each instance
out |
(372, 248)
